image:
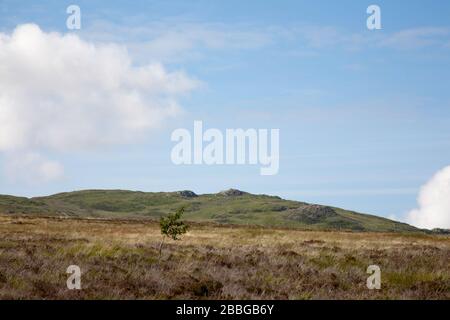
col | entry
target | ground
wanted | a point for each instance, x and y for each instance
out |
(119, 259)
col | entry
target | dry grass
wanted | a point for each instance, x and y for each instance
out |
(119, 260)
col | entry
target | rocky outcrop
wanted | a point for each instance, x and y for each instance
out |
(440, 231)
(187, 194)
(232, 193)
(311, 213)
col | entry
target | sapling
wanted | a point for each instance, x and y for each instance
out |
(172, 227)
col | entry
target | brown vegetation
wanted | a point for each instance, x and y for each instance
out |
(119, 260)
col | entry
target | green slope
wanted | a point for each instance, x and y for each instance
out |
(229, 207)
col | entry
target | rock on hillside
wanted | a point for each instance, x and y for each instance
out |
(187, 194)
(232, 193)
(311, 213)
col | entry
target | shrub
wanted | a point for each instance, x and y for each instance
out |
(172, 226)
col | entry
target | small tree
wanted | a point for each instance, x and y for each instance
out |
(172, 227)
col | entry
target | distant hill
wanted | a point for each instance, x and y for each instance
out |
(226, 207)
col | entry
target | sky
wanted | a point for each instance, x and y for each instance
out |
(363, 114)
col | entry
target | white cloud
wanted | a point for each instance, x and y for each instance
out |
(59, 92)
(320, 37)
(412, 38)
(417, 38)
(434, 203)
(173, 41)
(32, 168)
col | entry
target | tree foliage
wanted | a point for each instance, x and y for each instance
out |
(172, 226)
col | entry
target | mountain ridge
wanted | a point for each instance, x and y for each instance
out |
(230, 206)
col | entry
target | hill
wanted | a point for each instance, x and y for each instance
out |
(226, 207)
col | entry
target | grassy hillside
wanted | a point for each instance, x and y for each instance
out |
(227, 207)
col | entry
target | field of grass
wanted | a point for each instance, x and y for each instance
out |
(119, 260)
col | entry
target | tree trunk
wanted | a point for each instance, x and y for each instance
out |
(160, 247)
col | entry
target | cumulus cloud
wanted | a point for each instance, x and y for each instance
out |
(60, 93)
(434, 203)
(32, 168)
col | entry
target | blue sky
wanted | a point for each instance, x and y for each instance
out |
(363, 115)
